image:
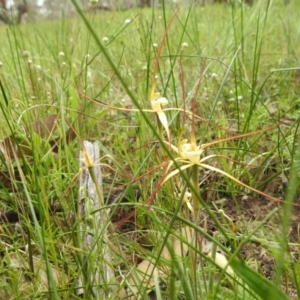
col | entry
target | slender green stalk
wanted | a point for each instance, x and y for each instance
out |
(196, 203)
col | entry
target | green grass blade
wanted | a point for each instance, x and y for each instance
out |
(256, 282)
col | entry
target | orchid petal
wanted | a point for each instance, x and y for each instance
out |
(164, 121)
(186, 200)
(174, 148)
(157, 103)
(173, 173)
(206, 158)
(156, 106)
(190, 151)
(190, 207)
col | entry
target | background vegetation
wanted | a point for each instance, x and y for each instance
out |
(234, 67)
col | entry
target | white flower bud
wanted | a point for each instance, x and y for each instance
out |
(25, 54)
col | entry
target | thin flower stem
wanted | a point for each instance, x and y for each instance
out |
(196, 203)
(160, 127)
(195, 194)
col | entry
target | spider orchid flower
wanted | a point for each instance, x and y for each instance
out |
(157, 103)
(190, 154)
(185, 195)
(186, 200)
(189, 151)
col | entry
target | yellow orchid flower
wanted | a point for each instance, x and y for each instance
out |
(156, 103)
(184, 194)
(189, 154)
(189, 151)
(186, 200)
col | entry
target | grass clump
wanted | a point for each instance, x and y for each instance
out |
(202, 192)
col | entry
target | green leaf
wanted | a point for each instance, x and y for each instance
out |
(257, 283)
